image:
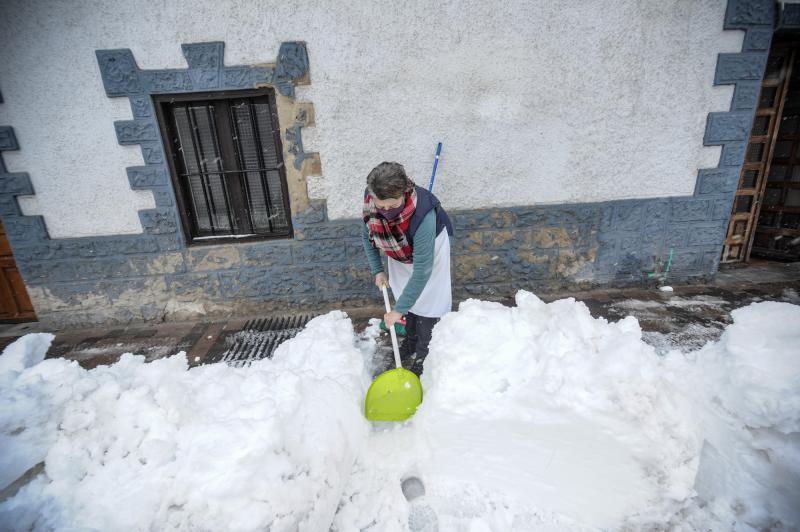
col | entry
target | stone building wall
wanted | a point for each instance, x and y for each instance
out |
(154, 275)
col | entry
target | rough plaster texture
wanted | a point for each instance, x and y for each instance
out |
(153, 276)
(549, 102)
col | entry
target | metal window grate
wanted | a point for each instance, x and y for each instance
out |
(227, 161)
(259, 338)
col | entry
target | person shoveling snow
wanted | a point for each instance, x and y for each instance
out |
(413, 230)
(573, 423)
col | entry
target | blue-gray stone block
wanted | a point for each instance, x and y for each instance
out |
(732, 126)
(292, 60)
(204, 55)
(741, 14)
(250, 283)
(34, 253)
(170, 242)
(262, 75)
(745, 95)
(337, 279)
(522, 218)
(135, 131)
(159, 221)
(8, 141)
(9, 207)
(677, 236)
(628, 216)
(686, 261)
(266, 254)
(737, 67)
(331, 230)
(789, 17)
(191, 283)
(163, 196)
(586, 214)
(97, 248)
(141, 177)
(239, 77)
(125, 245)
(466, 242)
(689, 210)
(733, 154)
(294, 281)
(119, 72)
(483, 219)
(758, 39)
(707, 235)
(152, 153)
(167, 81)
(316, 251)
(46, 272)
(314, 214)
(16, 184)
(653, 233)
(630, 263)
(717, 180)
(721, 209)
(630, 244)
(25, 230)
(141, 107)
(294, 139)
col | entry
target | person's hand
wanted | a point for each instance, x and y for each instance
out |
(380, 280)
(391, 317)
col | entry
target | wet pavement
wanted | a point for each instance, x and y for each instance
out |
(685, 319)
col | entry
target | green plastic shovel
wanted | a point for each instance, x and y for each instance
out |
(395, 394)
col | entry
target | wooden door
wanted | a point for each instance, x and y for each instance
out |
(15, 305)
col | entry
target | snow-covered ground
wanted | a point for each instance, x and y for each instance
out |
(535, 417)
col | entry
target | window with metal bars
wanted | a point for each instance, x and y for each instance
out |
(226, 160)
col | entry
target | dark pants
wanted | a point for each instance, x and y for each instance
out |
(418, 336)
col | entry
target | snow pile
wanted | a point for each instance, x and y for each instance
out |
(536, 417)
(759, 355)
(747, 390)
(540, 417)
(552, 406)
(137, 446)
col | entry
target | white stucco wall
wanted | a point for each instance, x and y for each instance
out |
(536, 101)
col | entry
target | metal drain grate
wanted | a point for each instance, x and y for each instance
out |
(259, 338)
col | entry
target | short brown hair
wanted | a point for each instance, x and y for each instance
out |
(388, 181)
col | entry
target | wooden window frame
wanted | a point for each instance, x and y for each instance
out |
(227, 149)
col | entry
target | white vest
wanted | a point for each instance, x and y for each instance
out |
(436, 298)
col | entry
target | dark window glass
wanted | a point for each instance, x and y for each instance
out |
(767, 99)
(743, 203)
(788, 125)
(790, 220)
(792, 198)
(774, 65)
(749, 178)
(228, 161)
(755, 151)
(766, 219)
(777, 172)
(772, 196)
(760, 125)
(783, 149)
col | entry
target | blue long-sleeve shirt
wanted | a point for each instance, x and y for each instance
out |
(424, 246)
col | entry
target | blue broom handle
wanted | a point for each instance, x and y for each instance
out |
(435, 164)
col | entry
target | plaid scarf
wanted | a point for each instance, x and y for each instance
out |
(390, 236)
